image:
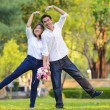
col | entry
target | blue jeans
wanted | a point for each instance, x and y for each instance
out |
(29, 63)
(65, 64)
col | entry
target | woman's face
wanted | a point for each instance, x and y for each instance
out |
(38, 30)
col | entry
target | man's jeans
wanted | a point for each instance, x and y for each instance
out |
(66, 65)
(29, 63)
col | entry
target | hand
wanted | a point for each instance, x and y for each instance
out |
(47, 66)
(36, 12)
(49, 73)
(47, 8)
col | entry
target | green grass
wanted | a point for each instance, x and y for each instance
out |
(47, 103)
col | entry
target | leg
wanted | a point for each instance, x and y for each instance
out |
(25, 66)
(34, 85)
(72, 70)
(56, 82)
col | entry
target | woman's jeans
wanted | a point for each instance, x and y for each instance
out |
(29, 63)
(65, 64)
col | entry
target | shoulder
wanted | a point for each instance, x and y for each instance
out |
(28, 29)
(44, 34)
(56, 24)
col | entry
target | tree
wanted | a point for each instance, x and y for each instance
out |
(101, 13)
(92, 33)
(11, 24)
(11, 58)
(82, 30)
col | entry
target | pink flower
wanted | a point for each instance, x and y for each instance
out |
(43, 73)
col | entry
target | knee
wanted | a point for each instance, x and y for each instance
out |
(79, 75)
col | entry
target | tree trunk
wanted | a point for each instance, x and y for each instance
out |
(101, 49)
(102, 62)
(93, 70)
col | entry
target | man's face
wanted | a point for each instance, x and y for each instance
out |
(47, 22)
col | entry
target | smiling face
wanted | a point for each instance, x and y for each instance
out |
(48, 23)
(38, 30)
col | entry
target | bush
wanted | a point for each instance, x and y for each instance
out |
(76, 93)
(15, 88)
(80, 93)
(69, 93)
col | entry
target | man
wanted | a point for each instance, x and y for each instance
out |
(55, 47)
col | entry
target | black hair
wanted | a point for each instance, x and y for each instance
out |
(41, 27)
(45, 15)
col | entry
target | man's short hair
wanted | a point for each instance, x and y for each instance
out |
(45, 15)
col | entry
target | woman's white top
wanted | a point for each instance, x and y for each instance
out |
(34, 44)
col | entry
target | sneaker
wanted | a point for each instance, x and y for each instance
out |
(97, 93)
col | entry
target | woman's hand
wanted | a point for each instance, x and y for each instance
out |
(36, 12)
(31, 18)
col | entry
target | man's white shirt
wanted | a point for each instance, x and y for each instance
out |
(34, 45)
(53, 43)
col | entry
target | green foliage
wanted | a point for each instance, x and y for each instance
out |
(11, 21)
(11, 58)
(101, 11)
(80, 93)
(79, 32)
(34, 5)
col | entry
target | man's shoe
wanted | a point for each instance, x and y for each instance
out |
(97, 93)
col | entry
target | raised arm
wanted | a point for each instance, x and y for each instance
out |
(31, 18)
(56, 8)
(63, 16)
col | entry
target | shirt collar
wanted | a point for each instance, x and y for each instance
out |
(49, 29)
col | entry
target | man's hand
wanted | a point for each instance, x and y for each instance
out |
(56, 8)
(47, 8)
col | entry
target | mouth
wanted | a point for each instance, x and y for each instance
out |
(48, 25)
(37, 33)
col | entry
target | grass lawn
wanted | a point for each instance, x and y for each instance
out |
(47, 103)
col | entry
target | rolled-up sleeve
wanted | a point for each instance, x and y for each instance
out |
(29, 32)
(45, 51)
(62, 20)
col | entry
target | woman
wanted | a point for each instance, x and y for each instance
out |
(33, 60)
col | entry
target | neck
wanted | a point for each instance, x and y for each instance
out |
(38, 37)
(51, 28)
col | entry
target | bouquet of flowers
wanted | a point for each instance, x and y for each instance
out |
(43, 73)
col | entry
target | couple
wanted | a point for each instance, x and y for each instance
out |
(49, 45)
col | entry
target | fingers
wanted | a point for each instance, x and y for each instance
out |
(47, 8)
(36, 12)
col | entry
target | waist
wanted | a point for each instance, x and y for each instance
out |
(57, 56)
(33, 58)
(59, 59)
